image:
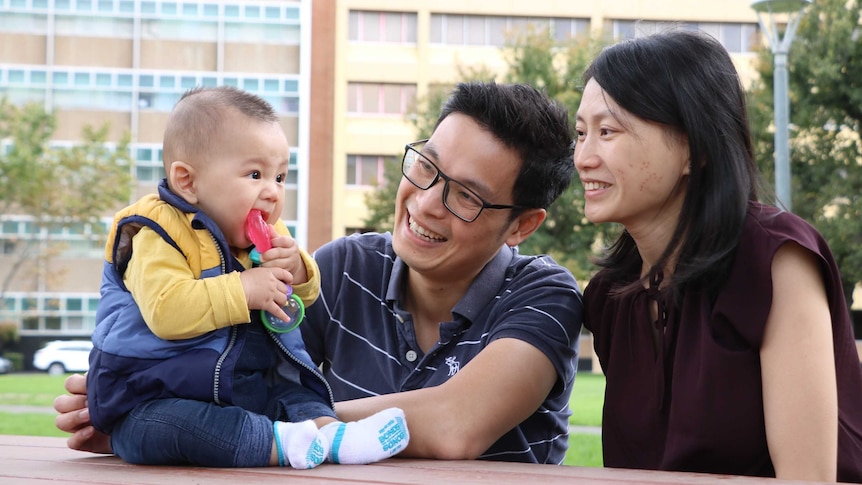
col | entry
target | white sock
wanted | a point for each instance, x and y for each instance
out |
(374, 438)
(300, 444)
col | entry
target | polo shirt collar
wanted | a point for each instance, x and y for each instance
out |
(484, 287)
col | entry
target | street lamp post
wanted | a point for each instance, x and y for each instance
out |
(780, 47)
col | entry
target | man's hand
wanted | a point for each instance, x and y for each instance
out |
(74, 417)
(285, 254)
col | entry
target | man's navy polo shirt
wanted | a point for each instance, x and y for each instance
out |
(366, 343)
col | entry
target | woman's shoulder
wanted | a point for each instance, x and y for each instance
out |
(768, 227)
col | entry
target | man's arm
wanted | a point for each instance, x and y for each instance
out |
(460, 419)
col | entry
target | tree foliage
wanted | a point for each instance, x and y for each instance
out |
(56, 186)
(825, 91)
(536, 58)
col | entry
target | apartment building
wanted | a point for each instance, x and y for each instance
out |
(127, 62)
(388, 53)
(342, 74)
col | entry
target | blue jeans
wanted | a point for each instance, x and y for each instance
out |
(183, 431)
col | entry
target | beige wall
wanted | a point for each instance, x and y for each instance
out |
(92, 51)
(63, 274)
(22, 48)
(74, 274)
(290, 125)
(151, 126)
(250, 58)
(372, 136)
(25, 278)
(180, 55)
(70, 123)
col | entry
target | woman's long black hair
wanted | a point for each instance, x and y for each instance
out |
(687, 82)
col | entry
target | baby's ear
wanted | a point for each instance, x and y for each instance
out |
(182, 181)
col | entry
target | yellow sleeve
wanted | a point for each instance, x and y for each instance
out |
(174, 303)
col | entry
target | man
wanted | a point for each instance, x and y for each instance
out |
(443, 318)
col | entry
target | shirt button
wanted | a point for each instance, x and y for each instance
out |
(411, 355)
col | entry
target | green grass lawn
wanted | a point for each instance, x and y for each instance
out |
(29, 390)
(587, 398)
(586, 402)
(41, 389)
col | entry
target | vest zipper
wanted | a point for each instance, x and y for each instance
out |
(314, 371)
(233, 332)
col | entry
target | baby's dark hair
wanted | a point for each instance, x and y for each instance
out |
(196, 119)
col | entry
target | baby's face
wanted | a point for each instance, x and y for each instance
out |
(245, 169)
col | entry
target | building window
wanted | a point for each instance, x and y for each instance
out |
(565, 29)
(80, 239)
(380, 98)
(111, 89)
(388, 27)
(26, 23)
(72, 313)
(148, 162)
(94, 26)
(365, 170)
(493, 30)
(737, 38)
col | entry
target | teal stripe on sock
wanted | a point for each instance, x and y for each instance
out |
(336, 442)
(278, 447)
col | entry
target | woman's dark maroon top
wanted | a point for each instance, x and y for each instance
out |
(697, 405)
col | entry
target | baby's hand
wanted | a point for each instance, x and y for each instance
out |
(266, 289)
(285, 254)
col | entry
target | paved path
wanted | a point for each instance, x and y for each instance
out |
(21, 409)
(585, 430)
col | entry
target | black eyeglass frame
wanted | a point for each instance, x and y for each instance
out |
(446, 179)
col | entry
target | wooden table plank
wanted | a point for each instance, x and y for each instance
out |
(38, 460)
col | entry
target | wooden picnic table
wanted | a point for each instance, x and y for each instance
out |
(41, 460)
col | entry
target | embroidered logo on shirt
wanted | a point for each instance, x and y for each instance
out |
(454, 365)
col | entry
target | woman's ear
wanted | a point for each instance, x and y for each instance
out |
(181, 179)
(525, 224)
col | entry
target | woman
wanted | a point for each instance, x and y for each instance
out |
(720, 322)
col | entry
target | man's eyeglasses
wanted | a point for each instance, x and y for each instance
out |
(457, 197)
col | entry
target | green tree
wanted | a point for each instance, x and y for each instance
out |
(534, 57)
(380, 202)
(56, 186)
(825, 90)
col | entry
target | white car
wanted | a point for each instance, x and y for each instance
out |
(5, 365)
(61, 356)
